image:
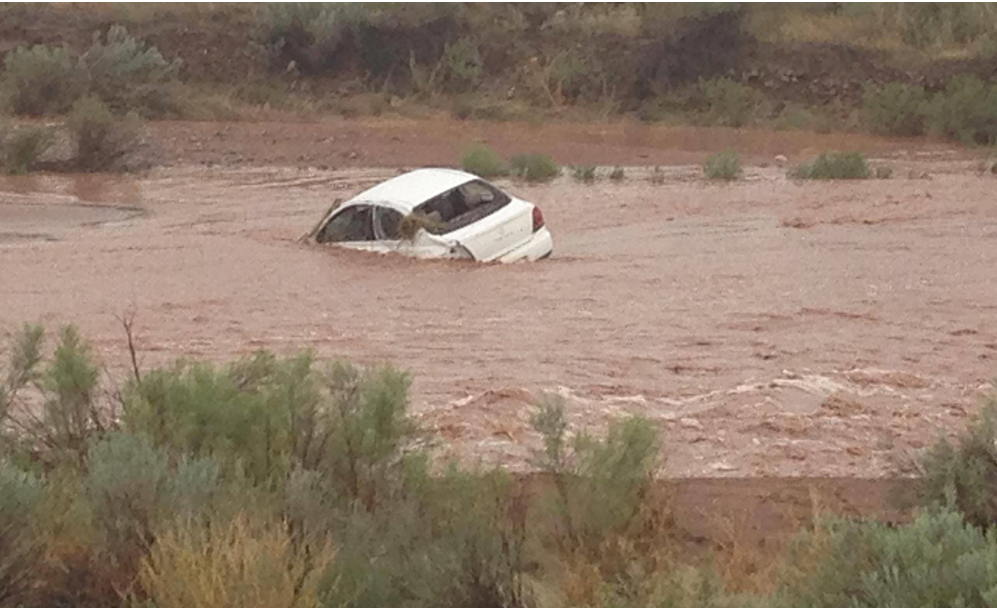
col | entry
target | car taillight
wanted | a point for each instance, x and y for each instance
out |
(538, 219)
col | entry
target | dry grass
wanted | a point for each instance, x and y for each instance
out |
(244, 563)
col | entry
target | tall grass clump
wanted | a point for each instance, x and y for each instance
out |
(833, 165)
(21, 148)
(245, 562)
(724, 166)
(534, 167)
(485, 162)
(41, 80)
(895, 109)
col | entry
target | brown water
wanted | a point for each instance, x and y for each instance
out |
(767, 327)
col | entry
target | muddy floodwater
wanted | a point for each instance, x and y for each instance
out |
(767, 327)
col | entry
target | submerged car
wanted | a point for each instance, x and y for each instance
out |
(438, 213)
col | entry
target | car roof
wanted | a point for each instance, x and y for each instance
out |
(409, 190)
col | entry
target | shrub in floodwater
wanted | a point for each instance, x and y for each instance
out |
(583, 173)
(724, 166)
(482, 160)
(833, 165)
(894, 109)
(617, 174)
(534, 167)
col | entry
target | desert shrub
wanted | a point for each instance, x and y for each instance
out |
(19, 555)
(127, 74)
(938, 560)
(966, 110)
(463, 65)
(41, 80)
(59, 429)
(244, 562)
(728, 103)
(961, 476)
(262, 413)
(724, 166)
(657, 176)
(894, 109)
(617, 174)
(103, 141)
(583, 173)
(600, 484)
(450, 540)
(482, 160)
(534, 167)
(833, 165)
(22, 148)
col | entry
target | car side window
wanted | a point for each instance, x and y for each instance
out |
(388, 224)
(350, 225)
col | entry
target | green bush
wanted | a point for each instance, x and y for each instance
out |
(583, 173)
(534, 167)
(833, 165)
(728, 103)
(938, 560)
(41, 80)
(103, 141)
(127, 74)
(59, 428)
(483, 161)
(617, 174)
(463, 64)
(724, 166)
(966, 110)
(961, 476)
(19, 553)
(894, 109)
(22, 148)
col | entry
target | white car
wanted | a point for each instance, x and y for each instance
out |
(460, 216)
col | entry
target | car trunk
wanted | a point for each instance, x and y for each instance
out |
(491, 236)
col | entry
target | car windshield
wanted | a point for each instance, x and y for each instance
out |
(461, 206)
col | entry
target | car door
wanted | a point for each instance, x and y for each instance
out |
(353, 224)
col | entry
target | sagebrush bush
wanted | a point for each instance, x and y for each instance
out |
(19, 553)
(22, 147)
(485, 162)
(617, 174)
(103, 141)
(534, 167)
(938, 560)
(41, 80)
(961, 476)
(894, 109)
(966, 111)
(583, 173)
(127, 74)
(728, 103)
(833, 165)
(725, 166)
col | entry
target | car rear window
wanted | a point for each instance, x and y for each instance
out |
(462, 206)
